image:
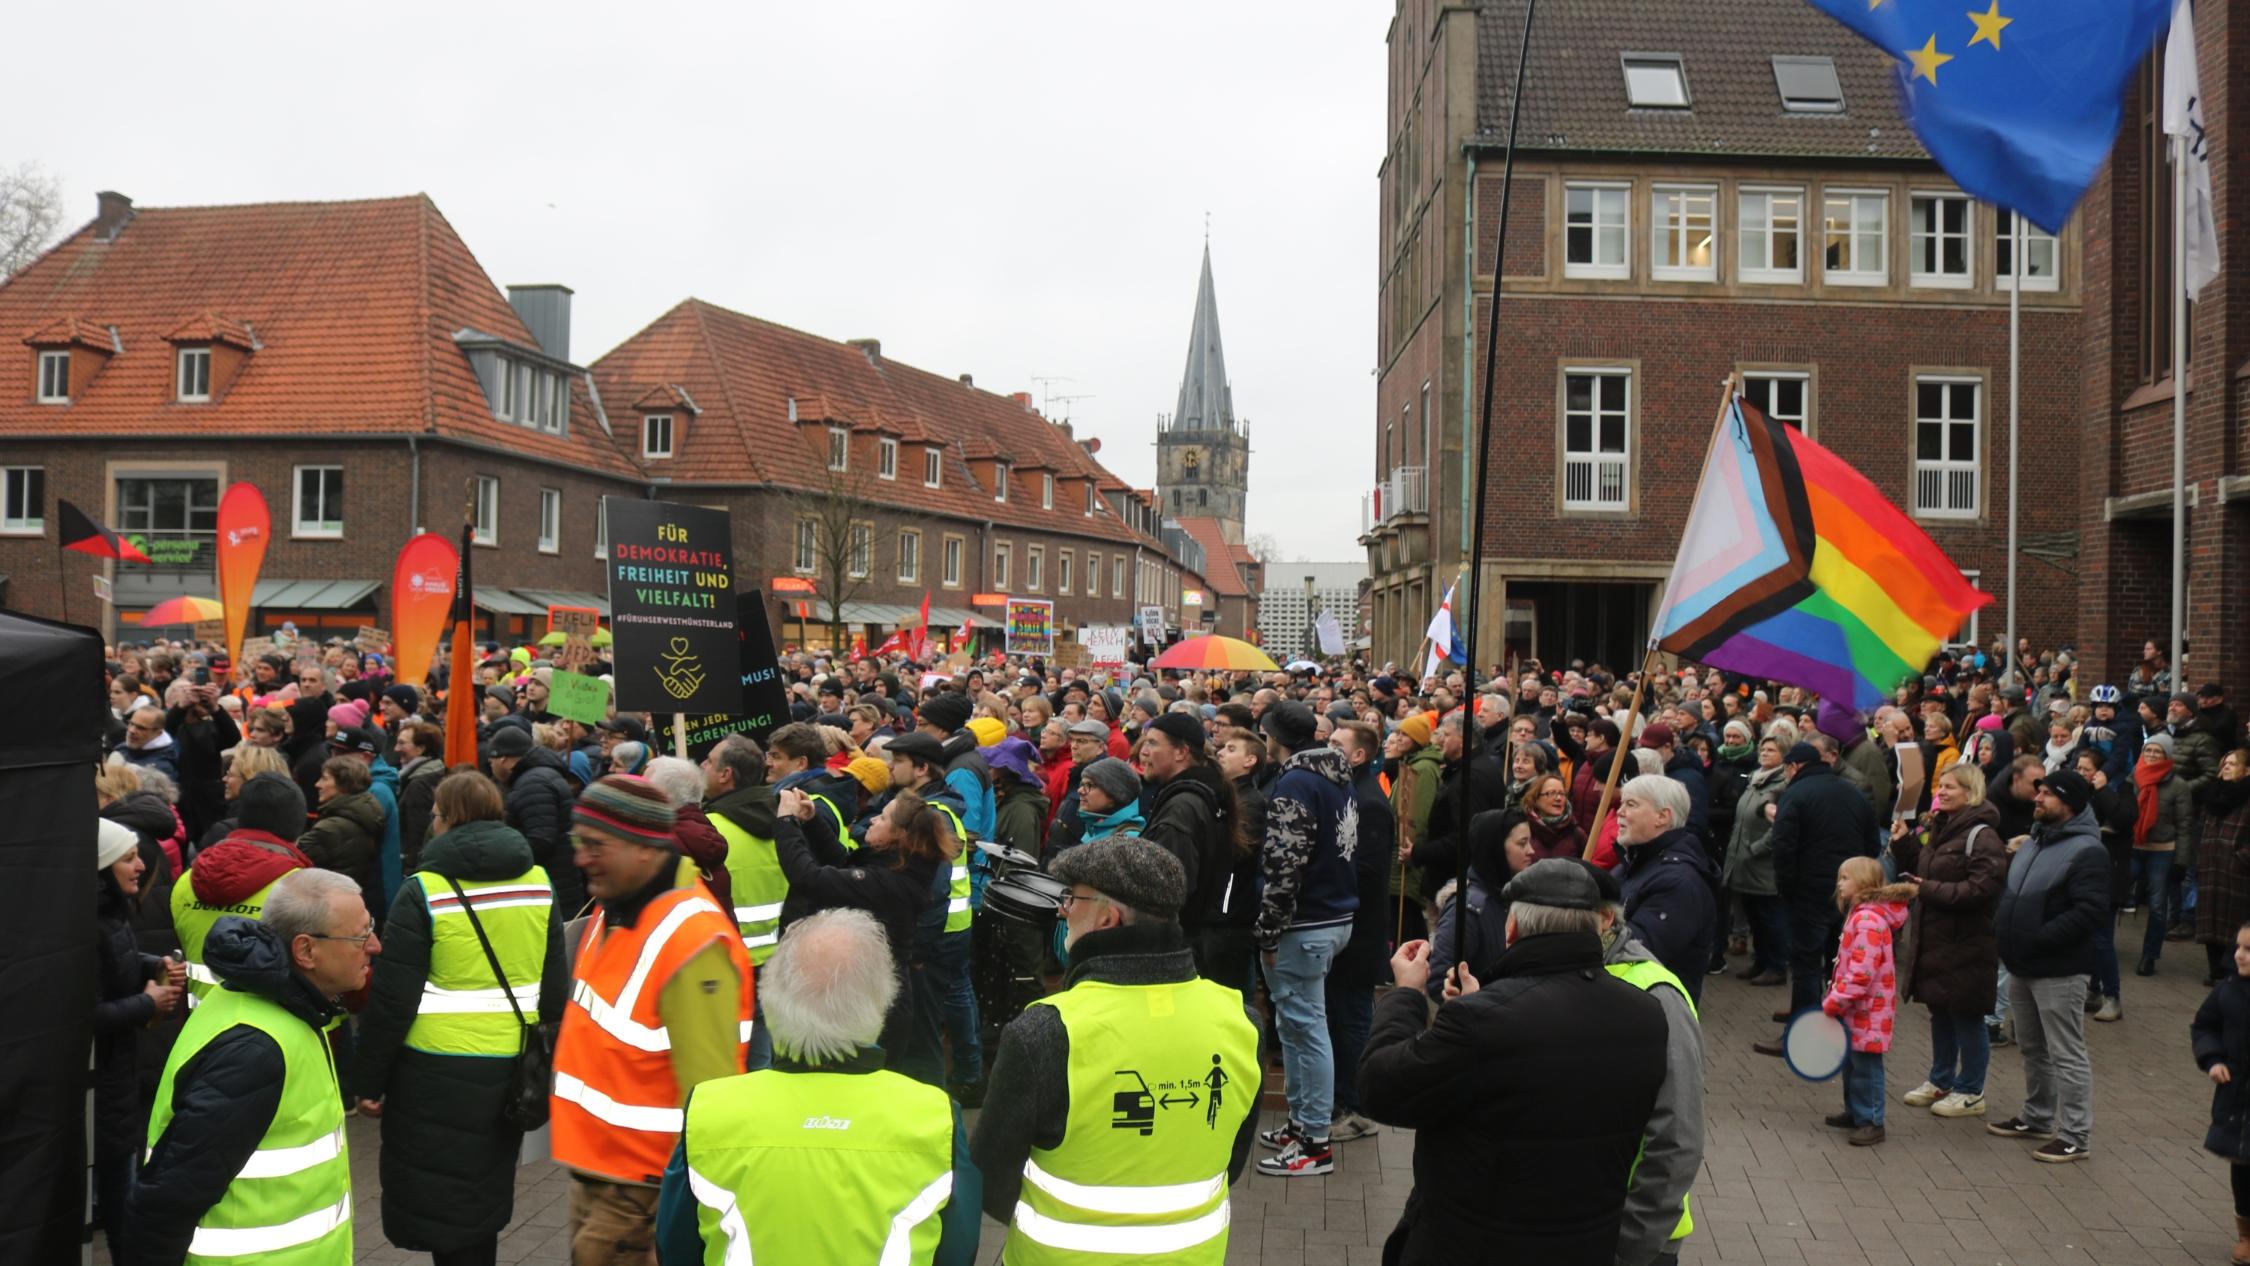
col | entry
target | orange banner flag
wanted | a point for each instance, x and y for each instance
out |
(244, 529)
(421, 603)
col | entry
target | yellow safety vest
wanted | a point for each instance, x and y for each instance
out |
(1645, 976)
(759, 887)
(464, 1011)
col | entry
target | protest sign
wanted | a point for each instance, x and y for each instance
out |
(577, 697)
(1105, 645)
(573, 620)
(370, 638)
(763, 705)
(210, 630)
(1031, 626)
(671, 574)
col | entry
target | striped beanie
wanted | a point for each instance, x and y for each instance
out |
(628, 807)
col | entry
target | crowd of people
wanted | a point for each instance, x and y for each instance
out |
(1093, 910)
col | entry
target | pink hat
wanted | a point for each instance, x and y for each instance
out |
(350, 714)
(1988, 722)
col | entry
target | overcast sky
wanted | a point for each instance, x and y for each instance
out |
(1007, 190)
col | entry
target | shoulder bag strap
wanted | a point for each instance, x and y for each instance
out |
(489, 956)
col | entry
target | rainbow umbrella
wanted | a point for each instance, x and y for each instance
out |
(1225, 653)
(184, 611)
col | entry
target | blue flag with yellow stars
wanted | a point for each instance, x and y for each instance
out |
(2017, 99)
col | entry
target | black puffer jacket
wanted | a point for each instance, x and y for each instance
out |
(449, 1159)
(222, 1099)
(120, 1014)
(417, 797)
(2055, 896)
(539, 805)
(345, 838)
(1191, 817)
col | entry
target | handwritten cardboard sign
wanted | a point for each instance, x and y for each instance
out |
(576, 697)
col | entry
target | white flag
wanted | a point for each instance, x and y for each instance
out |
(2183, 117)
(1330, 633)
(1440, 635)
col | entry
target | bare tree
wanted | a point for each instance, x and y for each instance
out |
(854, 538)
(1263, 547)
(30, 208)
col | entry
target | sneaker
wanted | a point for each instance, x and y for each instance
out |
(1840, 1121)
(2014, 1128)
(1749, 973)
(1281, 1136)
(1959, 1105)
(1348, 1127)
(1866, 1136)
(1767, 980)
(2001, 1034)
(1924, 1095)
(2093, 1001)
(1303, 1158)
(1718, 967)
(2057, 1152)
(2111, 1011)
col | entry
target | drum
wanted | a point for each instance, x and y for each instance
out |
(1816, 1045)
(1025, 896)
(1006, 861)
(1010, 944)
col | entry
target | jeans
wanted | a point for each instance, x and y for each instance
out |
(1351, 1011)
(2105, 980)
(2156, 869)
(1863, 1087)
(1769, 934)
(1297, 980)
(1812, 942)
(945, 1000)
(2058, 1078)
(1960, 1051)
(1999, 997)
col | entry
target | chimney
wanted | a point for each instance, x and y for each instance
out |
(872, 348)
(546, 313)
(968, 380)
(1022, 397)
(112, 211)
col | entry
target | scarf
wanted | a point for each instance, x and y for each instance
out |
(2146, 778)
(1735, 751)
(2058, 753)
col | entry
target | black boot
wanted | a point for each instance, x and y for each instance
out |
(2147, 967)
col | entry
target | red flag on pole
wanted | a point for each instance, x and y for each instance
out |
(922, 633)
(461, 679)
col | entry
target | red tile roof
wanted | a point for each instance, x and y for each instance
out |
(355, 305)
(1219, 556)
(64, 331)
(210, 327)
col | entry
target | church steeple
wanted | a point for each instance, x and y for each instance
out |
(1203, 450)
(1206, 400)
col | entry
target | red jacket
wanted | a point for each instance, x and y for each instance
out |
(1864, 991)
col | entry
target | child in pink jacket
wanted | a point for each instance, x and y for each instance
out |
(1864, 991)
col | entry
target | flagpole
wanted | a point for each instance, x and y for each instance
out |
(62, 575)
(2179, 405)
(2015, 398)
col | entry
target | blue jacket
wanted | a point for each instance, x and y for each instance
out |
(1671, 905)
(382, 782)
(1687, 771)
(1312, 831)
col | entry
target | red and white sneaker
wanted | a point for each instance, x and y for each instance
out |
(1302, 1158)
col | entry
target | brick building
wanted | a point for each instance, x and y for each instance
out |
(1699, 189)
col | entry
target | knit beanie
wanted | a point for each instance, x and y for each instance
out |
(349, 715)
(1181, 729)
(947, 711)
(2160, 739)
(272, 803)
(406, 697)
(628, 807)
(988, 730)
(1418, 727)
(872, 772)
(1116, 779)
(113, 843)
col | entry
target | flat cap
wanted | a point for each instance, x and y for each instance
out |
(1090, 728)
(1559, 882)
(920, 746)
(1128, 870)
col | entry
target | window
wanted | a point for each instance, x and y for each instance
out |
(953, 550)
(506, 404)
(23, 499)
(526, 394)
(1034, 568)
(54, 377)
(807, 559)
(1856, 225)
(550, 520)
(1117, 577)
(656, 435)
(1945, 446)
(1968, 635)
(1093, 574)
(1772, 228)
(195, 375)
(909, 557)
(176, 509)
(1062, 571)
(999, 481)
(1594, 239)
(2039, 253)
(546, 409)
(1046, 492)
(487, 530)
(1000, 554)
(1092, 500)
(839, 448)
(1655, 81)
(1808, 85)
(886, 459)
(1784, 397)
(1596, 405)
(320, 501)
(2153, 214)
(1938, 233)
(601, 527)
(860, 550)
(1683, 233)
(933, 467)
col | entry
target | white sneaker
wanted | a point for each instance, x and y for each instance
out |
(2111, 1010)
(1923, 1096)
(1959, 1105)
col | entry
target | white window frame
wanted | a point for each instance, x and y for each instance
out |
(487, 529)
(1117, 577)
(1668, 219)
(1857, 274)
(1917, 237)
(1804, 420)
(1034, 568)
(933, 467)
(839, 449)
(1062, 571)
(601, 527)
(650, 424)
(316, 529)
(1093, 499)
(999, 481)
(550, 520)
(1968, 637)
(1594, 459)
(1757, 267)
(1603, 192)
(1046, 492)
(951, 551)
(1093, 574)
(193, 372)
(859, 550)
(15, 490)
(1946, 475)
(2034, 238)
(886, 458)
(804, 557)
(526, 395)
(909, 557)
(1002, 555)
(54, 377)
(1661, 63)
(505, 406)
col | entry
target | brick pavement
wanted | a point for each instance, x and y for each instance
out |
(1777, 1186)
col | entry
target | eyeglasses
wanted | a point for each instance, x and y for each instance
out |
(1070, 899)
(362, 939)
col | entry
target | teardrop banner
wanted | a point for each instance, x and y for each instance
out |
(244, 530)
(672, 610)
(421, 603)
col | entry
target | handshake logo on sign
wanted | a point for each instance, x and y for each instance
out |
(681, 672)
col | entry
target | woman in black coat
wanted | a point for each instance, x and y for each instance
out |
(1951, 955)
(2221, 1031)
(135, 989)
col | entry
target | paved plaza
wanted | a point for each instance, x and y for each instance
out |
(1777, 1186)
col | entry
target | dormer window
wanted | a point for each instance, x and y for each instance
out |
(933, 467)
(54, 377)
(886, 459)
(195, 375)
(656, 435)
(1655, 81)
(839, 448)
(1000, 481)
(1046, 492)
(1089, 497)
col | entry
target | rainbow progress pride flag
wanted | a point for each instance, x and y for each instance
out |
(1794, 568)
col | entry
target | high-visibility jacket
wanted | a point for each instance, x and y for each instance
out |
(958, 916)
(291, 1204)
(1644, 976)
(193, 919)
(464, 1010)
(759, 887)
(819, 1167)
(616, 1108)
(1161, 1078)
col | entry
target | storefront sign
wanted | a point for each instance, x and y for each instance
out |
(671, 585)
(763, 704)
(1031, 626)
(988, 600)
(791, 584)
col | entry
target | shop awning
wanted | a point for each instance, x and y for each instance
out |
(311, 595)
(545, 598)
(897, 615)
(501, 602)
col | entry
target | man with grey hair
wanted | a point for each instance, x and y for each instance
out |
(1485, 1068)
(250, 1086)
(764, 1155)
(1669, 883)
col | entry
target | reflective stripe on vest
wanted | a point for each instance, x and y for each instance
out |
(464, 1011)
(814, 1166)
(192, 919)
(754, 873)
(1646, 976)
(958, 916)
(290, 1203)
(1161, 1077)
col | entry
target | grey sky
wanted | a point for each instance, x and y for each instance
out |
(1007, 190)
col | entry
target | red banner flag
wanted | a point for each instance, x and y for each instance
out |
(461, 677)
(421, 603)
(922, 633)
(244, 528)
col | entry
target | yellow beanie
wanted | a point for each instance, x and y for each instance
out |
(1417, 728)
(989, 730)
(872, 773)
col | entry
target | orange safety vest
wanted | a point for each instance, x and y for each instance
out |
(616, 1107)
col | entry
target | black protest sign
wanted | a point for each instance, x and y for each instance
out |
(671, 578)
(764, 704)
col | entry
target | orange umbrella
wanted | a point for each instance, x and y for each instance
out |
(1225, 653)
(184, 611)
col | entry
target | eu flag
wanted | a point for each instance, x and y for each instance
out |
(2018, 102)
